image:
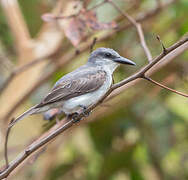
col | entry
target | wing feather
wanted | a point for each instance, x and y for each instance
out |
(74, 86)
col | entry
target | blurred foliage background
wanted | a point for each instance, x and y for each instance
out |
(142, 134)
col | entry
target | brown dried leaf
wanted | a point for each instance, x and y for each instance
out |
(75, 30)
(93, 23)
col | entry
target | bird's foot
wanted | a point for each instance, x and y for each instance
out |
(84, 111)
(75, 117)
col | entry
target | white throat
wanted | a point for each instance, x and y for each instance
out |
(110, 67)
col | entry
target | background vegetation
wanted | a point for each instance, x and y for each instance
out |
(141, 134)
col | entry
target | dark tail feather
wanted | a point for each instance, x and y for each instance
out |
(26, 113)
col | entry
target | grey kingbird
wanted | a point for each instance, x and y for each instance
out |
(80, 89)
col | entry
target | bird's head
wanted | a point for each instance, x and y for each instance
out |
(108, 58)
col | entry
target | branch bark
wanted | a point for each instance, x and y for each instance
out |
(164, 87)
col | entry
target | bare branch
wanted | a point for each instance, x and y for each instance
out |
(143, 42)
(164, 87)
(163, 62)
(138, 28)
(93, 44)
(33, 147)
(36, 145)
(159, 39)
(142, 72)
(6, 144)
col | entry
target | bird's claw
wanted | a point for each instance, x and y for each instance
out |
(84, 111)
(75, 117)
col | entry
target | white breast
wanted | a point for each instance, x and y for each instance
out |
(73, 105)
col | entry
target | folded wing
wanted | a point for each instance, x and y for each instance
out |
(75, 85)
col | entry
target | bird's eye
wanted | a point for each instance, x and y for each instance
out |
(108, 55)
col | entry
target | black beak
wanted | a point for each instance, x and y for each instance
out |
(123, 60)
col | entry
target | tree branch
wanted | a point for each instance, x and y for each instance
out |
(164, 87)
(59, 128)
(138, 28)
(93, 44)
(159, 39)
(142, 72)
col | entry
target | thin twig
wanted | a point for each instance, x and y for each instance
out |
(138, 28)
(93, 44)
(6, 144)
(163, 62)
(142, 72)
(164, 87)
(35, 146)
(159, 39)
(143, 42)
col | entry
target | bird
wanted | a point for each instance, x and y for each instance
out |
(78, 90)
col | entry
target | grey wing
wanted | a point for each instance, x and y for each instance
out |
(75, 85)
